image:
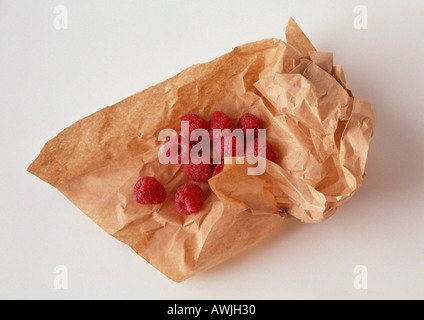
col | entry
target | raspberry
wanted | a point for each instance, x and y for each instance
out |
(199, 169)
(264, 150)
(183, 153)
(195, 122)
(249, 121)
(218, 169)
(149, 191)
(233, 147)
(219, 120)
(189, 199)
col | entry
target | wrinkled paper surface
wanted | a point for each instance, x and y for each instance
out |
(320, 131)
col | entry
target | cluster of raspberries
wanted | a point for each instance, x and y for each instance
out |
(189, 198)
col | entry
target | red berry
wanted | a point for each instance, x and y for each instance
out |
(199, 169)
(249, 121)
(189, 199)
(219, 120)
(263, 149)
(233, 147)
(149, 191)
(218, 169)
(183, 153)
(195, 122)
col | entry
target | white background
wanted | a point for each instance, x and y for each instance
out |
(112, 49)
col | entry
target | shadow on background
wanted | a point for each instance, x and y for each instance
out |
(395, 161)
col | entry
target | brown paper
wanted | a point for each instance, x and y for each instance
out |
(321, 134)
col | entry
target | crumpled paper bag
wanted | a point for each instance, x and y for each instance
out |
(320, 131)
